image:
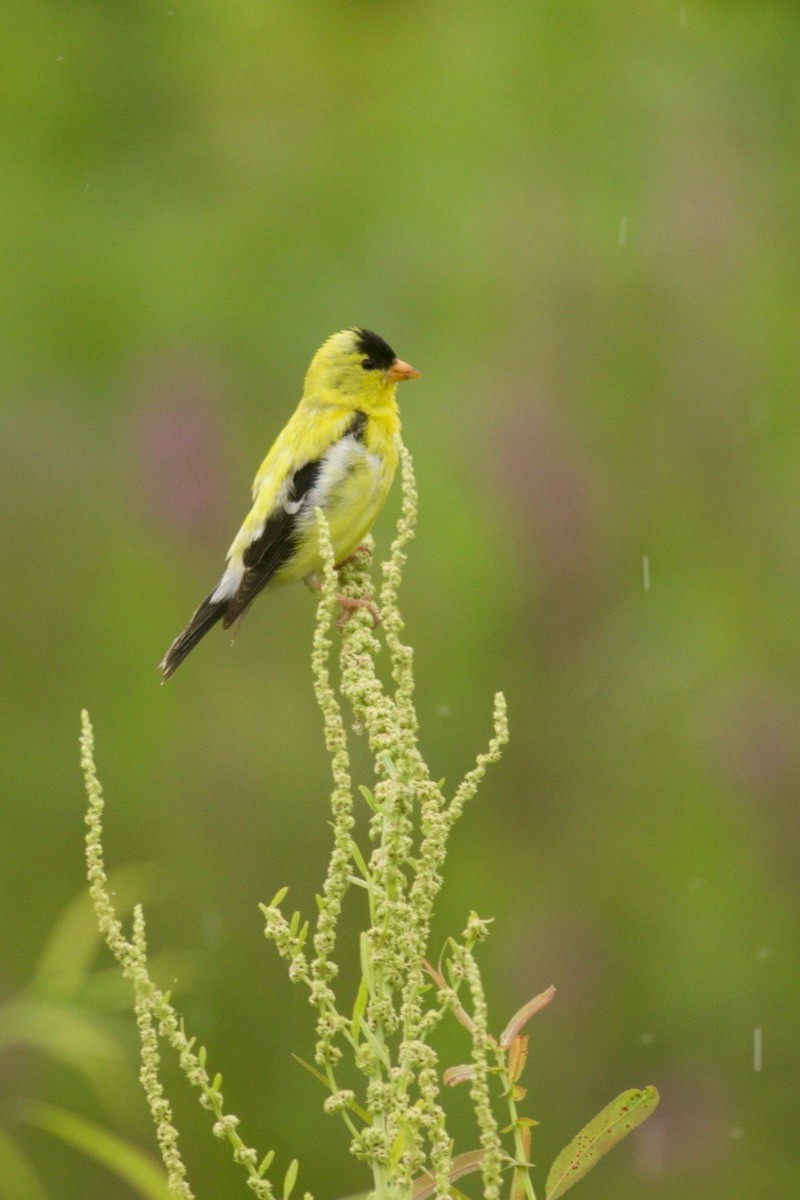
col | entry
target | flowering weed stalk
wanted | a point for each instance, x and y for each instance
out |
(382, 1034)
(397, 1123)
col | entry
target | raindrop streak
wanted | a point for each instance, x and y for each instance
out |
(646, 572)
(682, 16)
(622, 235)
(757, 1048)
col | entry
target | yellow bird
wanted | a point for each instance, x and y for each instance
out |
(338, 452)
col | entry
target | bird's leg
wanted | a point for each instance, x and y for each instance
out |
(347, 605)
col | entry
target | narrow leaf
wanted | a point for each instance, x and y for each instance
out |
(265, 1163)
(376, 1044)
(144, 1176)
(356, 1108)
(290, 1179)
(366, 963)
(72, 945)
(18, 1180)
(460, 1074)
(463, 1164)
(524, 1014)
(517, 1056)
(359, 1008)
(386, 762)
(609, 1127)
(312, 1071)
(368, 796)
(458, 1012)
(358, 859)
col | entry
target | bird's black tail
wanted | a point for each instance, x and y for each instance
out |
(209, 612)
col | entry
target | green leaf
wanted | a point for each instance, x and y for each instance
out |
(368, 796)
(74, 941)
(106, 988)
(61, 1031)
(290, 1179)
(377, 1045)
(386, 762)
(265, 1164)
(141, 1172)
(366, 962)
(18, 1180)
(524, 1014)
(595, 1139)
(356, 1108)
(463, 1164)
(358, 859)
(359, 1008)
(312, 1071)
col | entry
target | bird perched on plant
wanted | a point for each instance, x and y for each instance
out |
(338, 452)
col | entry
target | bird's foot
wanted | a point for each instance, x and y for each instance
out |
(349, 606)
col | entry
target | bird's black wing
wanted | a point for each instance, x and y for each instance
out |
(267, 553)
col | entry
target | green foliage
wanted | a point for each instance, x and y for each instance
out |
(18, 1177)
(68, 1013)
(383, 1040)
(123, 1160)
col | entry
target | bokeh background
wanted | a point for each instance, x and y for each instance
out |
(580, 221)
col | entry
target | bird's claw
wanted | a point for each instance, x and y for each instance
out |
(349, 606)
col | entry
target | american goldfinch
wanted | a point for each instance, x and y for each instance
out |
(338, 452)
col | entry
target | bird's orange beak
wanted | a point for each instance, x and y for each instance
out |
(400, 370)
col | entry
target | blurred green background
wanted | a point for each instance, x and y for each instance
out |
(580, 221)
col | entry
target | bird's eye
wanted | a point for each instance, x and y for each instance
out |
(368, 364)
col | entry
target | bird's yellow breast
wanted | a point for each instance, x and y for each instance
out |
(351, 490)
(352, 484)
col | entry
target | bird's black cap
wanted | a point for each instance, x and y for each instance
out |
(380, 354)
